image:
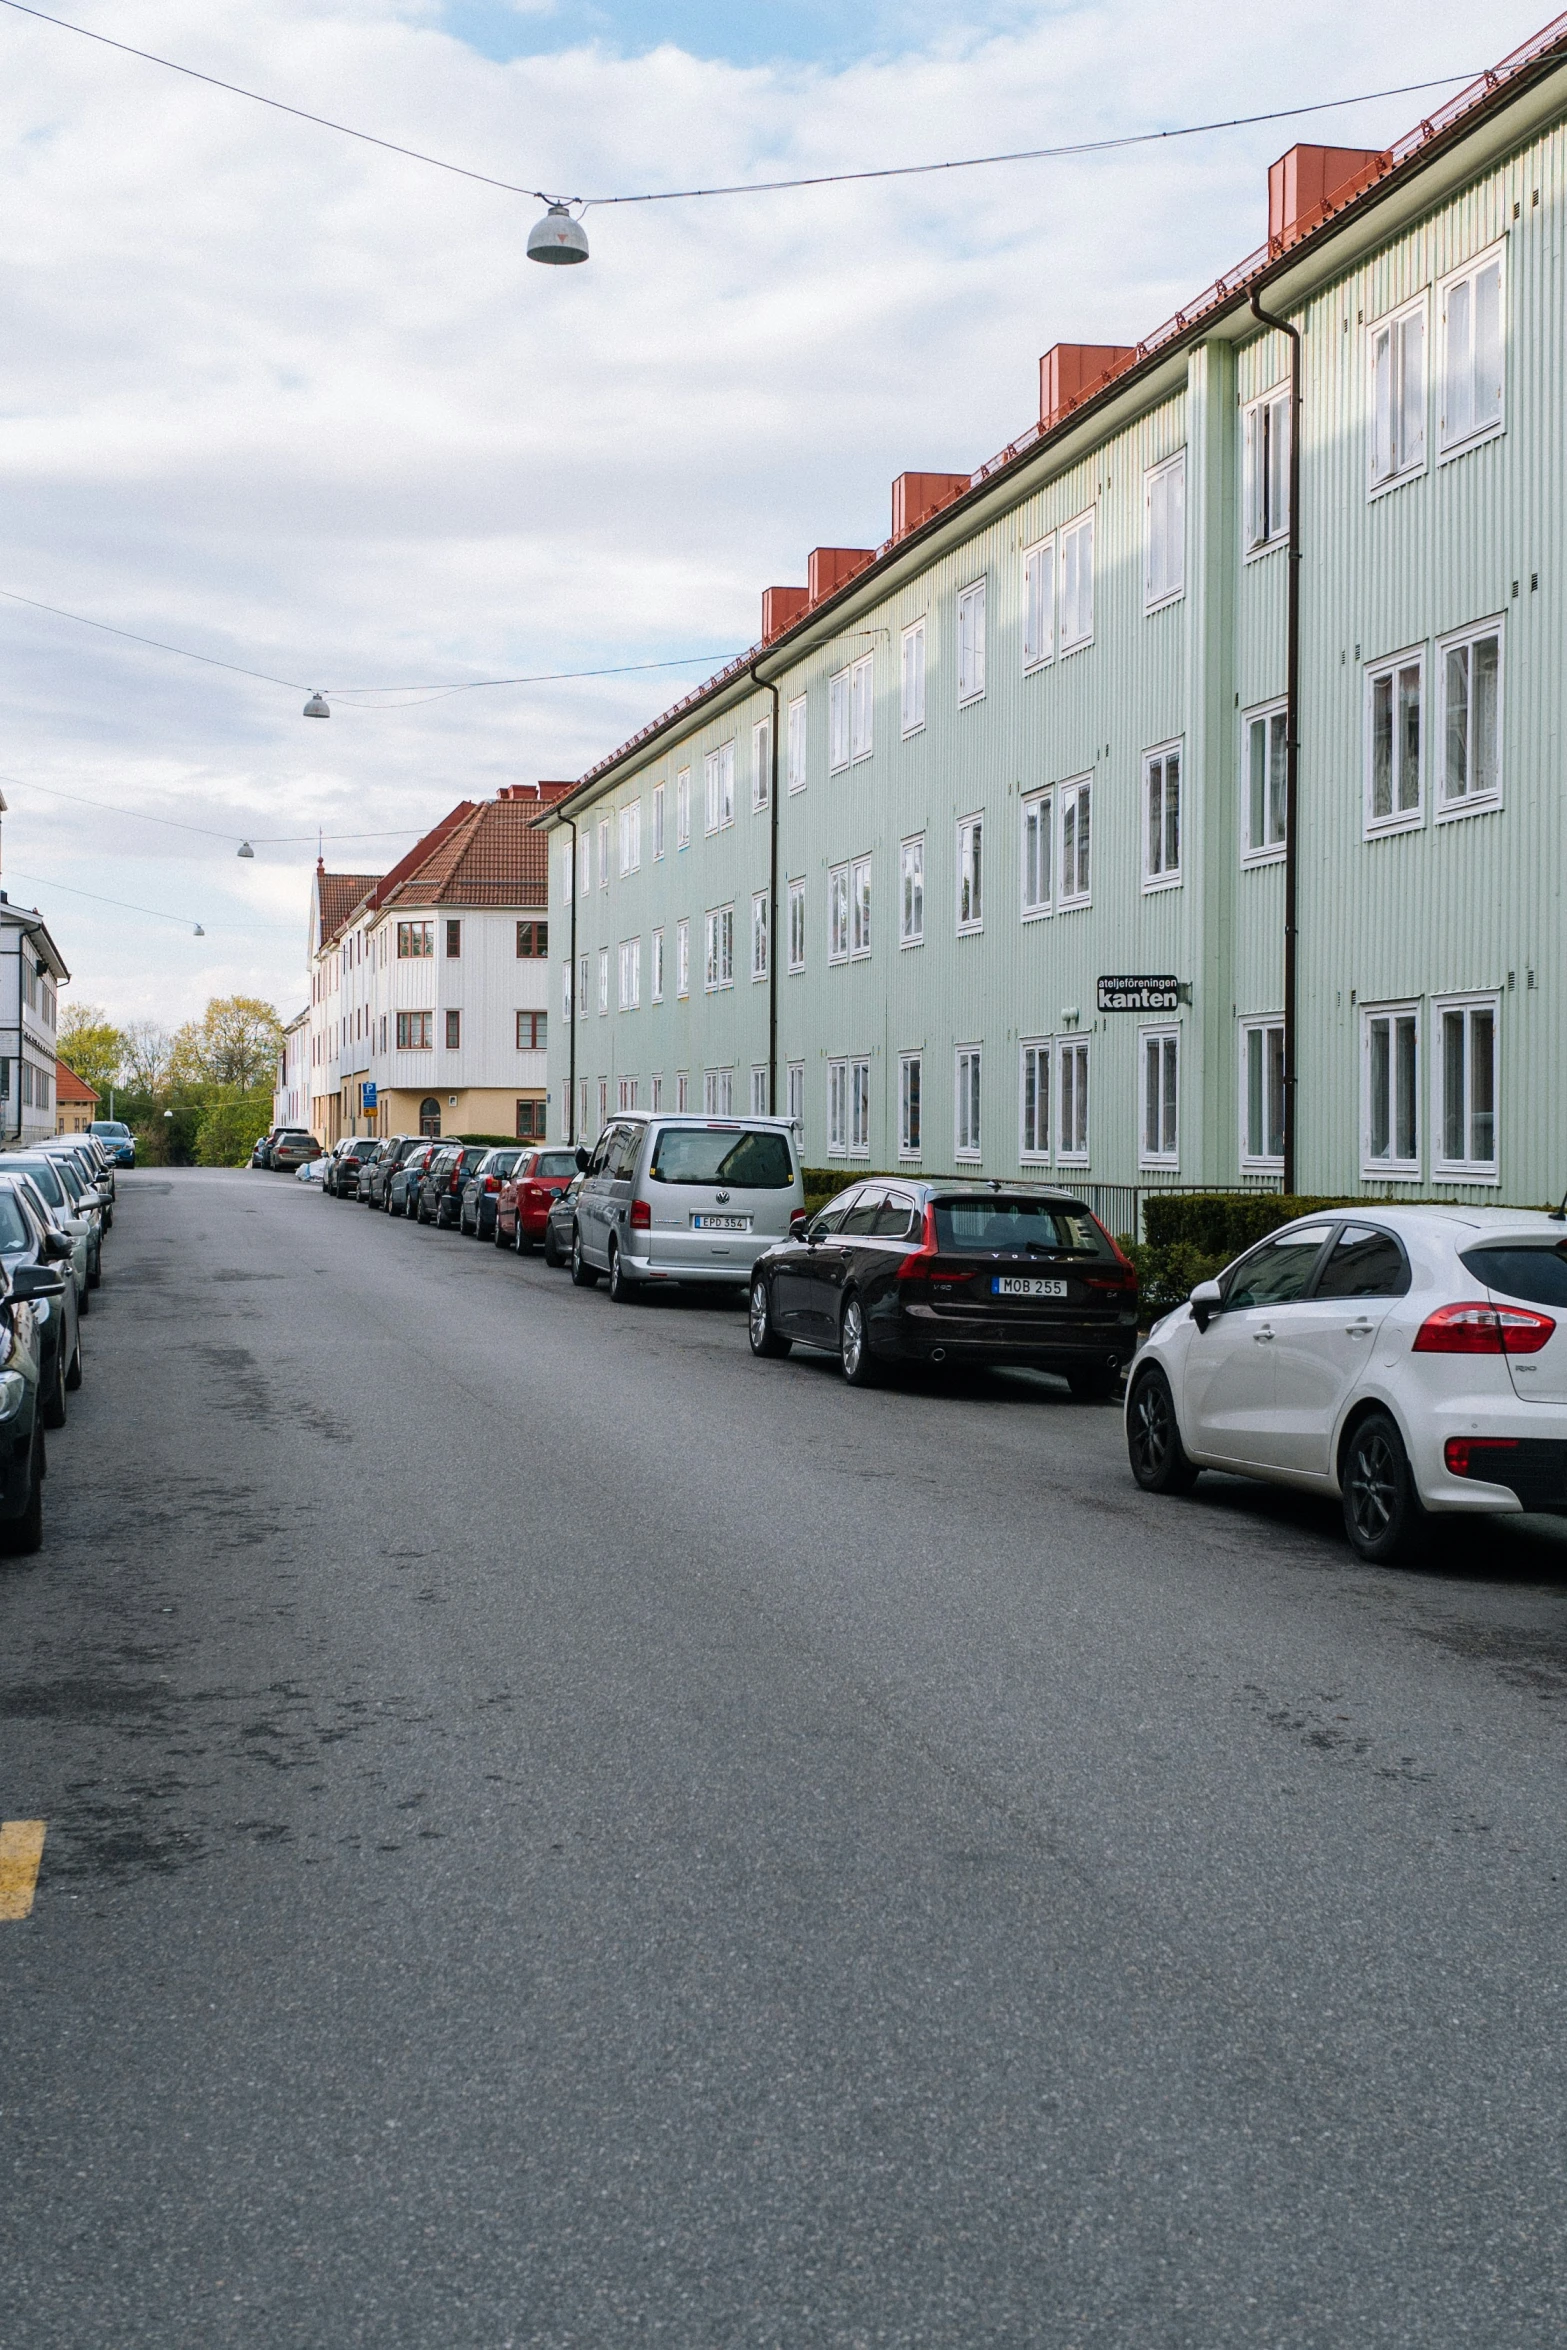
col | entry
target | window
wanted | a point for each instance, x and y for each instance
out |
(430, 1118)
(530, 1121)
(1262, 1093)
(797, 926)
(656, 968)
(627, 1093)
(568, 870)
(584, 864)
(532, 1032)
(860, 907)
(603, 1103)
(1266, 794)
(582, 1107)
(1035, 1120)
(565, 972)
(603, 979)
(797, 743)
(1161, 1100)
(1076, 800)
(683, 809)
(1164, 533)
(838, 722)
(603, 829)
(1267, 484)
(630, 838)
(533, 941)
(761, 762)
(797, 1095)
(453, 1031)
(582, 987)
(720, 965)
(912, 683)
(1390, 1065)
(658, 822)
(630, 974)
(1038, 818)
(759, 934)
(565, 995)
(837, 1109)
(719, 777)
(1470, 668)
(1394, 691)
(1072, 1093)
(1039, 603)
(415, 1032)
(682, 1092)
(415, 938)
(1471, 312)
(971, 873)
(971, 643)
(718, 1092)
(759, 1089)
(1077, 583)
(859, 1109)
(1162, 817)
(1398, 396)
(910, 1071)
(682, 957)
(1466, 1078)
(838, 914)
(656, 1091)
(967, 1140)
(453, 941)
(911, 903)
(862, 707)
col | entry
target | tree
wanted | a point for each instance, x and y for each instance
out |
(235, 1043)
(144, 1056)
(88, 1042)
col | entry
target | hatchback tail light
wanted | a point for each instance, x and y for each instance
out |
(1130, 1282)
(1473, 1327)
(641, 1216)
(1466, 1456)
(490, 1183)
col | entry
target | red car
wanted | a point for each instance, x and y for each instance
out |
(528, 1194)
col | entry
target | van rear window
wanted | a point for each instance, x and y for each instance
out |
(1023, 1226)
(1538, 1274)
(708, 1154)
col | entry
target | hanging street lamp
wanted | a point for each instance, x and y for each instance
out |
(557, 237)
(316, 707)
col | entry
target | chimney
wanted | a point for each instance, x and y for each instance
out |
(828, 567)
(549, 792)
(781, 608)
(914, 495)
(1305, 185)
(1068, 370)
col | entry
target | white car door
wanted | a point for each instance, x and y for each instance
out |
(1324, 1344)
(1228, 1382)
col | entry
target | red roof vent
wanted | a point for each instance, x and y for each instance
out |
(1308, 183)
(914, 495)
(781, 608)
(828, 567)
(1069, 370)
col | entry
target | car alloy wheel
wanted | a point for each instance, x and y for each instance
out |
(1153, 1439)
(582, 1273)
(552, 1254)
(853, 1353)
(765, 1340)
(1383, 1516)
(73, 1377)
(52, 1408)
(620, 1289)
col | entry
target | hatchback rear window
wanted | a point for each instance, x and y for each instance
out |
(13, 1224)
(1023, 1227)
(47, 1181)
(720, 1154)
(1538, 1274)
(553, 1164)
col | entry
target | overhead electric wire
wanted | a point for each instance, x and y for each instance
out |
(825, 179)
(270, 840)
(184, 652)
(156, 912)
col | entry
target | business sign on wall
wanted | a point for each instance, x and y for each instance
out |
(1139, 992)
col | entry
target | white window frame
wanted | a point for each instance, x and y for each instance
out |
(1159, 1097)
(1392, 670)
(838, 722)
(1269, 852)
(718, 962)
(1039, 604)
(1037, 854)
(759, 1089)
(1074, 624)
(683, 809)
(603, 981)
(1072, 798)
(1265, 521)
(761, 764)
(658, 823)
(1036, 1068)
(718, 1093)
(911, 676)
(911, 891)
(911, 1104)
(582, 987)
(718, 780)
(797, 921)
(683, 956)
(797, 742)
(1455, 441)
(1072, 1064)
(1393, 1163)
(682, 1092)
(1166, 874)
(760, 940)
(971, 643)
(968, 1097)
(859, 909)
(585, 862)
(862, 708)
(626, 1093)
(603, 1103)
(656, 968)
(794, 1096)
(1164, 527)
(971, 872)
(1389, 462)
(603, 852)
(838, 914)
(568, 882)
(631, 838)
(1261, 1026)
(565, 998)
(838, 1109)
(859, 1109)
(1466, 1169)
(631, 974)
(655, 1090)
(1467, 803)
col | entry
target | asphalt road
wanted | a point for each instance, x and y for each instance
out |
(561, 1834)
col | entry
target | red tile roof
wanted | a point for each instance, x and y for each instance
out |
(68, 1087)
(490, 856)
(339, 894)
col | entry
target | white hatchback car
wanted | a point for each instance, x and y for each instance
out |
(1410, 1360)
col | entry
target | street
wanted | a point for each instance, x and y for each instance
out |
(560, 1833)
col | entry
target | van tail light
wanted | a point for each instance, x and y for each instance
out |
(916, 1265)
(641, 1216)
(1466, 1456)
(1476, 1328)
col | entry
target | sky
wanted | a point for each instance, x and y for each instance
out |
(303, 406)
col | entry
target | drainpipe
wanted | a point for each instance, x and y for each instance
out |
(1291, 751)
(576, 1008)
(772, 904)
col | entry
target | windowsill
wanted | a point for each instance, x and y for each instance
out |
(909, 732)
(1378, 827)
(1453, 811)
(908, 1158)
(1252, 858)
(1271, 546)
(839, 767)
(1071, 1159)
(861, 955)
(1163, 603)
(1146, 1166)
(1475, 440)
(1385, 1170)
(1082, 645)
(1045, 661)
(1074, 905)
(758, 978)
(911, 942)
(1033, 1158)
(1396, 481)
(1160, 881)
(1263, 1166)
(969, 1158)
(1442, 1172)
(967, 701)
(794, 971)
(833, 961)
(860, 757)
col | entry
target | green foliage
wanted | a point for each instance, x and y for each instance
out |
(496, 1142)
(88, 1042)
(229, 1121)
(825, 1183)
(235, 1044)
(1193, 1235)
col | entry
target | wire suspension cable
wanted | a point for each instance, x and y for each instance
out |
(158, 915)
(270, 840)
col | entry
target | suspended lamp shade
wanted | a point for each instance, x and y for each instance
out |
(557, 237)
(198, 932)
(316, 707)
(245, 849)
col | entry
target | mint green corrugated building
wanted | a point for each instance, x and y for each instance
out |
(980, 859)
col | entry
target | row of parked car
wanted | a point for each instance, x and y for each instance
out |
(56, 1207)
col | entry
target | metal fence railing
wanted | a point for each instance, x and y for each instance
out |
(1119, 1206)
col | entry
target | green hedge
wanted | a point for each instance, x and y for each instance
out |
(1193, 1235)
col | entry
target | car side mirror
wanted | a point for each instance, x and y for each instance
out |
(797, 1224)
(582, 1160)
(1205, 1301)
(30, 1281)
(57, 1245)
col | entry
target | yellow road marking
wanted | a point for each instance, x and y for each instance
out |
(21, 1849)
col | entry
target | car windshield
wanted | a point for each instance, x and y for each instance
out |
(1018, 1227)
(552, 1165)
(46, 1179)
(1538, 1274)
(14, 1233)
(722, 1154)
(111, 1126)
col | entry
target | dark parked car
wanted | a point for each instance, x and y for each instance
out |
(22, 1461)
(378, 1175)
(441, 1186)
(65, 1194)
(560, 1224)
(292, 1148)
(482, 1191)
(117, 1139)
(342, 1171)
(37, 1260)
(985, 1274)
(534, 1184)
(402, 1187)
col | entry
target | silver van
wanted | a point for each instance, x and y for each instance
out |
(684, 1199)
